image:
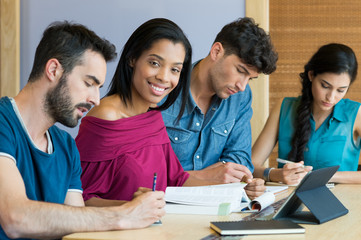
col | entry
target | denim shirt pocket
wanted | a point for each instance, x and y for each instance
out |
(178, 135)
(221, 133)
(330, 151)
(181, 143)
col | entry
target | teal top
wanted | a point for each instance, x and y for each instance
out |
(331, 144)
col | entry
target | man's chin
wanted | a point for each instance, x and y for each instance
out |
(70, 123)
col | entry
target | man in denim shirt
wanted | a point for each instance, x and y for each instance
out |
(212, 139)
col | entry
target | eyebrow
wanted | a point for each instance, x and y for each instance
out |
(331, 84)
(162, 59)
(96, 80)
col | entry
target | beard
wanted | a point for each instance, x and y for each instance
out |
(58, 104)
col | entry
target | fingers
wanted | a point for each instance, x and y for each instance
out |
(255, 188)
(236, 172)
(295, 175)
(142, 211)
(308, 168)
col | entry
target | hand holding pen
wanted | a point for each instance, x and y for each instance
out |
(153, 189)
(292, 172)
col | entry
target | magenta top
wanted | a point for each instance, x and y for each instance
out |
(119, 156)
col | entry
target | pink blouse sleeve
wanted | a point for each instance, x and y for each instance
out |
(176, 174)
(96, 180)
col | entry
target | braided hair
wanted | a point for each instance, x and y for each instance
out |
(331, 58)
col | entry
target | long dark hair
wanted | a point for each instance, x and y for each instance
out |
(331, 58)
(141, 40)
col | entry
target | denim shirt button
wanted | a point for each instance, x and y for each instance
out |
(214, 109)
(176, 138)
(197, 156)
(197, 124)
(225, 131)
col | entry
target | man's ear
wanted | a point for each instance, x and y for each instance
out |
(53, 69)
(217, 51)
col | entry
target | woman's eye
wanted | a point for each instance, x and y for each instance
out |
(323, 85)
(176, 70)
(154, 63)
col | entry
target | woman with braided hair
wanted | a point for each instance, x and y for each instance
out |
(319, 128)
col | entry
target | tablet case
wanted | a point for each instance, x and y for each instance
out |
(312, 192)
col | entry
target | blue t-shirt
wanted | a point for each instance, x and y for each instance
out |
(47, 177)
(223, 134)
(332, 144)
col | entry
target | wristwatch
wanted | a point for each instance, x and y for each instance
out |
(266, 173)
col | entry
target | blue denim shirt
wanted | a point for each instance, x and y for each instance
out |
(223, 134)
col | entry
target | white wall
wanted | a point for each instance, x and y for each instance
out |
(115, 20)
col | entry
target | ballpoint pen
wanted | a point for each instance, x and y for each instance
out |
(153, 189)
(283, 161)
(154, 181)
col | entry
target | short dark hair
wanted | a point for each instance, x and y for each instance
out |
(141, 40)
(67, 42)
(249, 42)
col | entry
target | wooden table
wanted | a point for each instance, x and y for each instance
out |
(197, 226)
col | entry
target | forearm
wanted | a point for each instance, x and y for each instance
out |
(99, 202)
(258, 171)
(347, 177)
(199, 178)
(47, 220)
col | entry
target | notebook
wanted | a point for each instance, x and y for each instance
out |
(257, 227)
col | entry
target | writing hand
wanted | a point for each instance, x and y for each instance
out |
(255, 188)
(228, 172)
(143, 210)
(293, 173)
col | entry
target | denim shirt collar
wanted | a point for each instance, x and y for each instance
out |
(191, 104)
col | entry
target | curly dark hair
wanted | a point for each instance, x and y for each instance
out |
(330, 58)
(248, 41)
(67, 42)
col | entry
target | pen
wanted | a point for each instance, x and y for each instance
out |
(153, 189)
(283, 161)
(154, 181)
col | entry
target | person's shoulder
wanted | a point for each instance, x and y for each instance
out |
(291, 99)
(289, 102)
(4, 104)
(107, 109)
(7, 113)
(350, 102)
